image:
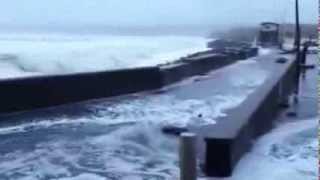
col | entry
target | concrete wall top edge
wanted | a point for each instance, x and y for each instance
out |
(79, 74)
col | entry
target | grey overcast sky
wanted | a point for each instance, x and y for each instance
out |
(151, 12)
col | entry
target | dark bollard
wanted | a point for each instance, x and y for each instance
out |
(188, 160)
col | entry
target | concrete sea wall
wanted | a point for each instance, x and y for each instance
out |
(23, 94)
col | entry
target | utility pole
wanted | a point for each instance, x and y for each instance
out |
(297, 46)
(298, 29)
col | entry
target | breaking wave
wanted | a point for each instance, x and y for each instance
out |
(32, 55)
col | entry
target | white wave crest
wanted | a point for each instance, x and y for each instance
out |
(70, 54)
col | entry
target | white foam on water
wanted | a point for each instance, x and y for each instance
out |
(127, 152)
(62, 54)
(35, 125)
(264, 51)
(84, 176)
(134, 151)
(248, 74)
(161, 110)
(9, 70)
(288, 153)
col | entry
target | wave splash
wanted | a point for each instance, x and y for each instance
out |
(34, 55)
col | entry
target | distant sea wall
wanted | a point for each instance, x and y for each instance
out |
(38, 92)
(23, 94)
